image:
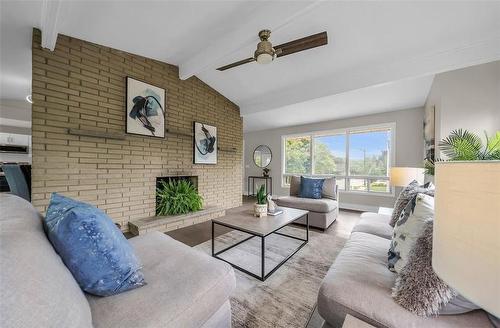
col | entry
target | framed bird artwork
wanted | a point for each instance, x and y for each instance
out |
(145, 109)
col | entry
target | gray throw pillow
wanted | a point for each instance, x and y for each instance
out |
(410, 286)
(294, 186)
(329, 188)
(406, 195)
(418, 289)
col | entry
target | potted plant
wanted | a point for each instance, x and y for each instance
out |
(462, 145)
(260, 208)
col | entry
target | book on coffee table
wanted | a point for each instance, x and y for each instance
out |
(277, 211)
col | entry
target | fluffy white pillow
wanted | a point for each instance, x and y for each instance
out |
(408, 229)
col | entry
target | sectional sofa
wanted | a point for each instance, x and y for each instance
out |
(186, 288)
(359, 284)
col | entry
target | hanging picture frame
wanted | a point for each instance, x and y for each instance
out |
(429, 132)
(145, 108)
(204, 143)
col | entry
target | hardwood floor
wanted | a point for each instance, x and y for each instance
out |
(196, 234)
(201, 232)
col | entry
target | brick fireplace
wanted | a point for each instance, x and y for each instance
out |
(82, 86)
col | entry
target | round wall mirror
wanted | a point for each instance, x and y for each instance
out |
(262, 156)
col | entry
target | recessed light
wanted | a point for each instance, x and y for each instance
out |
(28, 99)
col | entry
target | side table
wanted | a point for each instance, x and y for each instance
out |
(253, 177)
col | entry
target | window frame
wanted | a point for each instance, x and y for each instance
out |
(344, 131)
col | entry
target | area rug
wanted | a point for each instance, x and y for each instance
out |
(288, 297)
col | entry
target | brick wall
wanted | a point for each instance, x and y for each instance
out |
(82, 86)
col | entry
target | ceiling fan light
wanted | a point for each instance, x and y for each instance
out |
(264, 53)
(264, 58)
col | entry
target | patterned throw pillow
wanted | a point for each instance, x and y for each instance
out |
(408, 229)
(402, 200)
(95, 251)
(407, 194)
(311, 188)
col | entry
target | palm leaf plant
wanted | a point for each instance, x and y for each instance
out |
(462, 145)
(177, 197)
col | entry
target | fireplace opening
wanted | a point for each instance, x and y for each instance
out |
(190, 178)
(177, 195)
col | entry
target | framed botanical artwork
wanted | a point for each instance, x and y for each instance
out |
(429, 132)
(145, 109)
(204, 144)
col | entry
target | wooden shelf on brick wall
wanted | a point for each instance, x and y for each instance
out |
(227, 149)
(178, 134)
(97, 134)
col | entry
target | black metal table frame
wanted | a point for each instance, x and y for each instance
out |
(269, 190)
(263, 275)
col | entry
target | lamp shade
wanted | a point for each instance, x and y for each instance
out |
(402, 176)
(466, 243)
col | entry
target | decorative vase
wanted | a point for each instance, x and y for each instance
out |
(260, 210)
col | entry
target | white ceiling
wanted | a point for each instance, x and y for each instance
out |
(371, 43)
(408, 93)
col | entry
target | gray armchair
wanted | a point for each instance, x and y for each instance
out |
(322, 212)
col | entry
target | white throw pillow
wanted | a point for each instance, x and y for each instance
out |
(408, 229)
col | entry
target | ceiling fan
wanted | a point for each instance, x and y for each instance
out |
(265, 52)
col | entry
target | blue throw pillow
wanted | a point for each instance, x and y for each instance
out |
(311, 188)
(92, 247)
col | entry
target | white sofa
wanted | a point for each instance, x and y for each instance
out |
(359, 284)
(185, 288)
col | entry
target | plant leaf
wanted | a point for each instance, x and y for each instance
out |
(177, 197)
(493, 146)
(462, 145)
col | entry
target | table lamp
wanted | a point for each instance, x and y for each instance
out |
(466, 239)
(402, 176)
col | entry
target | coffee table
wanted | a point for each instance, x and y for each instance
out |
(260, 228)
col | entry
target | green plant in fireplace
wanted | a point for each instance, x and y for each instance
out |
(177, 197)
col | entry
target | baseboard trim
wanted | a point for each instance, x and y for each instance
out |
(358, 207)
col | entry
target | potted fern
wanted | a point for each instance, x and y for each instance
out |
(260, 208)
(462, 145)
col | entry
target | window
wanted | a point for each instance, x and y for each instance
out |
(358, 157)
(298, 155)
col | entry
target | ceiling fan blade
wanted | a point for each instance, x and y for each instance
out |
(309, 42)
(238, 63)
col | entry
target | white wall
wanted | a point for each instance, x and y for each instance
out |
(409, 150)
(467, 98)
